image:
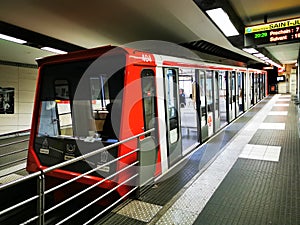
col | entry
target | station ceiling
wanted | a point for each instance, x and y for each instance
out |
(71, 25)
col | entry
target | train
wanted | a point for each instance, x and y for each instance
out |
(97, 97)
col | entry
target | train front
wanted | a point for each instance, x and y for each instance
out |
(76, 95)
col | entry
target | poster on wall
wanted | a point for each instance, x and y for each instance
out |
(7, 96)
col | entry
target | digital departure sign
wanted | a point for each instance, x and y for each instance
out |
(283, 31)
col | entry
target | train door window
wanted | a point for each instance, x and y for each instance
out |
(188, 109)
(222, 97)
(149, 101)
(209, 100)
(172, 104)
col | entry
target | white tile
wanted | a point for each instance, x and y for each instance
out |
(278, 113)
(176, 216)
(259, 148)
(261, 152)
(272, 126)
(284, 100)
(281, 104)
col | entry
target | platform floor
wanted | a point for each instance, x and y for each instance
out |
(247, 174)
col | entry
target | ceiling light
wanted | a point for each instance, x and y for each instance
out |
(259, 55)
(250, 50)
(9, 38)
(57, 51)
(223, 22)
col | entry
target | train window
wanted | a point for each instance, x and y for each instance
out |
(62, 100)
(55, 118)
(99, 92)
(172, 104)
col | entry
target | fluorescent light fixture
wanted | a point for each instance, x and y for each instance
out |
(270, 61)
(268, 67)
(57, 51)
(274, 64)
(9, 38)
(264, 58)
(259, 55)
(223, 22)
(250, 50)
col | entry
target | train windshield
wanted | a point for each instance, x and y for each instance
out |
(76, 99)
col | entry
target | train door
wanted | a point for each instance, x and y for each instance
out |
(210, 103)
(148, 145)
(246, 91)
(251, 93)
(264, 84)
(240, 93)
(172, 115)
(188, 108)
(235, 99)
(222, 97)
(261, 86)
(216, 101)
(231, 83)
(255, 95)
(202, 102)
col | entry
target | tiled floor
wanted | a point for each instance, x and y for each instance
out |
(254, 180)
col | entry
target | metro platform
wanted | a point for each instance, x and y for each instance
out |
(249, 173)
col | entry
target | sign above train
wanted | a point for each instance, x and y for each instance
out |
(281, 31)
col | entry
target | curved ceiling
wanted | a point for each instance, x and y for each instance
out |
(95, 23)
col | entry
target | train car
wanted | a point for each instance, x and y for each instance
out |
(89, 99)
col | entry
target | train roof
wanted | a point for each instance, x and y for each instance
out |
(171, 57)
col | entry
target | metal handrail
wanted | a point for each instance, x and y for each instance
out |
(14, 143)
(13, 162)
(17, 158)
(95, 152)
(14, 152)
(40, 175)
(15, 133)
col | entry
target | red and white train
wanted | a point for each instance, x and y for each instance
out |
(92, 98)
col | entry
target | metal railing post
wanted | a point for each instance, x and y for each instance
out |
(41, 199)
(138, 169)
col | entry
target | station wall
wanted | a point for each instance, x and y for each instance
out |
(23, 80)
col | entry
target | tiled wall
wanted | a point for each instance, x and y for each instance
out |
(23, 80)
